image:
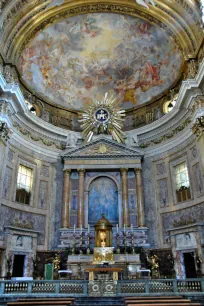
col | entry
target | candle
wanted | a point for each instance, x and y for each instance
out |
(124, 228)
(74, 228)
(117, 228)
(88, 228)
(131, 228)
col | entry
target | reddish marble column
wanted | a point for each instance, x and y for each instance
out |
(124, 172)
(80, 215)
(66, 199)
(140, 197)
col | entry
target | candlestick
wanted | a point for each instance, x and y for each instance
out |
(117, 228)
(117, 242)
(88, 228)
(81, 229)
(124, 228)
(131, 228)
(74, 228)
(74, 245)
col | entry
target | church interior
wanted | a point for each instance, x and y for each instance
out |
(101, 150)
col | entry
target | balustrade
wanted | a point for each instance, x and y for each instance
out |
(80, 288)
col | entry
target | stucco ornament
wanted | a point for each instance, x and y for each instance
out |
(72, 139)
(103, 117)
(145, 3)
(202, 9)
(131, 140)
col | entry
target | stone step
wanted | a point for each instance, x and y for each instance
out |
(153, 297)
(165, 304)
(152, 301)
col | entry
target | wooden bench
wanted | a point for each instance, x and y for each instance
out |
(152, 301)
(165, 304)
(40, 302)
(166, 297)
(46, 299)
(160, 301)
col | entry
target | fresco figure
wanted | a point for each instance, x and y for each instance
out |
(74, 60)
(103, 199)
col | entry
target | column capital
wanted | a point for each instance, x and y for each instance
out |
(67, 171)
(81, 171)
(123, 170)
(138, 170)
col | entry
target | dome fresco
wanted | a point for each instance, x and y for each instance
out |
(73, 61)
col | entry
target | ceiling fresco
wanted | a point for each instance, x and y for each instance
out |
(73, 61)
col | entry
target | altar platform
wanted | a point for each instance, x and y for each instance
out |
(78, 264)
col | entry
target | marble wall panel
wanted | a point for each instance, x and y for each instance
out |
(161, 169)
(44, 171)
(43, 194)
(56, 204)
(7, 183)
(198, 179)
(195, 213)
(8, 215)
(132, 200)
(149, 199)
(162, 190)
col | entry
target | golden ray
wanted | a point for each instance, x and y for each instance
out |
(103, 117)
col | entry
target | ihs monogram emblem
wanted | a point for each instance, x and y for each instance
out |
(103, 117)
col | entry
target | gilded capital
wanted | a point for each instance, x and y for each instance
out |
(138, 170)
(124, 170)
(67, 171)
(81, 171)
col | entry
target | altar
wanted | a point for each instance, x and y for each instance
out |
(103, 273)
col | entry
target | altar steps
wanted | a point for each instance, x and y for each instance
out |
(99, 301)
(159, 301)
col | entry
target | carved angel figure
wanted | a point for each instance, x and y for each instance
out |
(145, 3)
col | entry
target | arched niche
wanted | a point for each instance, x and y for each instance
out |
(103, 198)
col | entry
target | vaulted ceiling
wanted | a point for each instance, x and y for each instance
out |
(68, 52)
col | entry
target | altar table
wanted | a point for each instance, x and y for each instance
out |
(103, 269)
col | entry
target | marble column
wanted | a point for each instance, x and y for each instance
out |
(80, 215)
(124, 172)
(66, 199)
(140, 197)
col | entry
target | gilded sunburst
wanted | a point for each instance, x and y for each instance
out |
(104, 116)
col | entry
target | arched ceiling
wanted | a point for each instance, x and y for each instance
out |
(69, 51)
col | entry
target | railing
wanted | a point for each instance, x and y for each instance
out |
(161, 286)
(72, 288)
(80, 288)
